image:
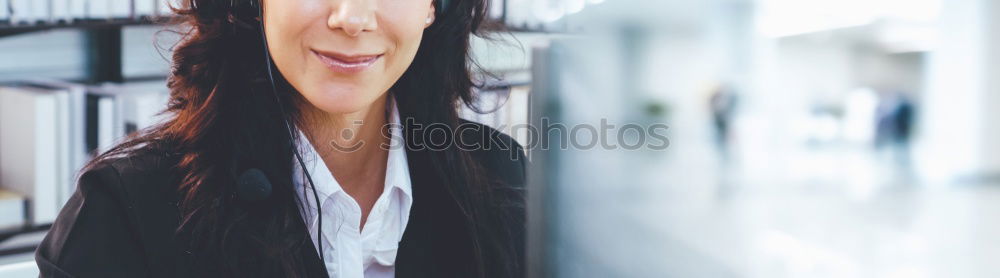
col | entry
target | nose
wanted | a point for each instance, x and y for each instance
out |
(353, 16)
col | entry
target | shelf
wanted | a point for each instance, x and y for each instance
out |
(22, 246)
(11, 29)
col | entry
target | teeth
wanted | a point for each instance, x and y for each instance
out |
(352, 61)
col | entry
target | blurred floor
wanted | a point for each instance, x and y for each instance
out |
(810, 212)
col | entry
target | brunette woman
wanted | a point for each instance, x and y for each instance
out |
(306, 138)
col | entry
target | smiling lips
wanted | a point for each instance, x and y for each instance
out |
(346, 63)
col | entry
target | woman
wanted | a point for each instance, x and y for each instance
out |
(353, 82)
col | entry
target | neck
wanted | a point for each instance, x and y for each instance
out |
(349, 143)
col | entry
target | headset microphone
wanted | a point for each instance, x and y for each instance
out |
(253, 186)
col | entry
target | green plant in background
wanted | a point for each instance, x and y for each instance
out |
(657, 109)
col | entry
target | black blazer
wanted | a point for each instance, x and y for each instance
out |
(120, 222)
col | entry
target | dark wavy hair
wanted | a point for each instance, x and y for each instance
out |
(223, 118)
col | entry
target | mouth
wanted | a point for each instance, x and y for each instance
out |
(344, 63)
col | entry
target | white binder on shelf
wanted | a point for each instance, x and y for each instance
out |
(40, 10)
(61, 10)
(113, 111)
(12, 210)
(104, 119)
(76, 137)
(20, 12)
(142, 103)
(98, 9)
(120, 9)
(163, 7)
(64, 166)
(145, 8)
(29, 164)
(78, 9)
(4, 12)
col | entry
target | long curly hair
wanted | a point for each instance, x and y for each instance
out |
(223, 118)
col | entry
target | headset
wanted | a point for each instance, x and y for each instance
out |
(253, 185)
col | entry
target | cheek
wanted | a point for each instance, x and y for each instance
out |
(404, 28)
(288, 23)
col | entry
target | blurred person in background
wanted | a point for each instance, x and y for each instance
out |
(894, 128)
(722, 105)
(894, 123)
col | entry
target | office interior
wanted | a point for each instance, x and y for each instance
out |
(807, 138)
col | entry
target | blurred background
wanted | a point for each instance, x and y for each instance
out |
(807, 138)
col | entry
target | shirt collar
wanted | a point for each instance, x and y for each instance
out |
(397, 173)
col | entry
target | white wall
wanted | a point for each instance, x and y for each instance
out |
(954, 121)
(990, 156)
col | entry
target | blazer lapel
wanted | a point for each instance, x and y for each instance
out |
(414, 259)
(437, 241)
(314, 266)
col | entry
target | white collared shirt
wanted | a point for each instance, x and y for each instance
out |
(351, 251)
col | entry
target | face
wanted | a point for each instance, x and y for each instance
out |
(343, 55)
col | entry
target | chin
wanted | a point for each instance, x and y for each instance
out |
(340, 98)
